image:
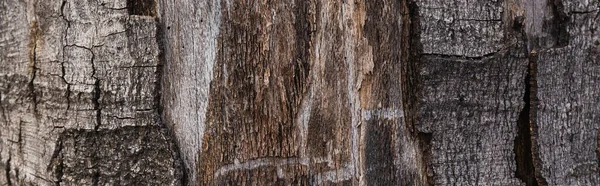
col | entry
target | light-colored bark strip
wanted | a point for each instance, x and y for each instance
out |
(190, 36)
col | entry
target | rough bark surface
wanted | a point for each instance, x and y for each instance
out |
(78, 96)
(290, 92)
(300, 92)
(472, 69)
(568, 92)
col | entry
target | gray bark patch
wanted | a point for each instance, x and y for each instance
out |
(123, 156)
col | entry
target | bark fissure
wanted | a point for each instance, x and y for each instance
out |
(411, 58)
(7, 169)
(34, 32)
(62, 63)
(20, 137)
(412, 54)
(97, 94)
(526, 154)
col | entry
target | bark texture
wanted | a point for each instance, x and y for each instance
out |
(300, 92)
(78, 96)
(567, 85)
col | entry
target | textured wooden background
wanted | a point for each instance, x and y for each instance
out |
(299, 92)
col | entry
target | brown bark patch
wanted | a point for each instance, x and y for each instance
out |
(142, 7)
(260, 79)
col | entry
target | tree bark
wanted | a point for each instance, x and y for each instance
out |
(300, 92)
(79, 99)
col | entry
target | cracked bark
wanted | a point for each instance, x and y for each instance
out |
(70, 95)
(526, 150)
(316, 92)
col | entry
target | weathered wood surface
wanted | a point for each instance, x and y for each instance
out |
(78, 96)
(289, 92)
(300, 92)
(568, 92)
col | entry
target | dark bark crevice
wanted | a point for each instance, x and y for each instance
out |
(411, 60)
(7, 170)
(34, 34)
(62, 63)
(141, 7)
(526, 152)
(425, 147)
(96, 94)
(560, 20)
(57, 164)
(20, 137)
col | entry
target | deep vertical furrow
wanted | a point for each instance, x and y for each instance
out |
(7, 169)
(97, 94)
(412, 50)
(598, 147)
(523, 144)
(526, 153)
(560, 21)
(34, 35)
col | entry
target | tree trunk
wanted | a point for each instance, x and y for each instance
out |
(299, 92)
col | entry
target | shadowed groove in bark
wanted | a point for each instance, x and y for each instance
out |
(141, 7)
(57, 164)
(33, 37)
(412, 53)
(7, 169)
(97, 94)
(425, 147)
(411, 60)
(162, 43)
(523, 154)
(62, 63)
(526, 153)
(560, 21)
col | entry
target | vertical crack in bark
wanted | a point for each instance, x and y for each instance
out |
(559, 23)
(412, 50)
(526, 153)
(598, 147)
(34, 34)
(68, 94)
(20, 138)
(97, 94)
(7, 169)
(62, 63)
(411, 59)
